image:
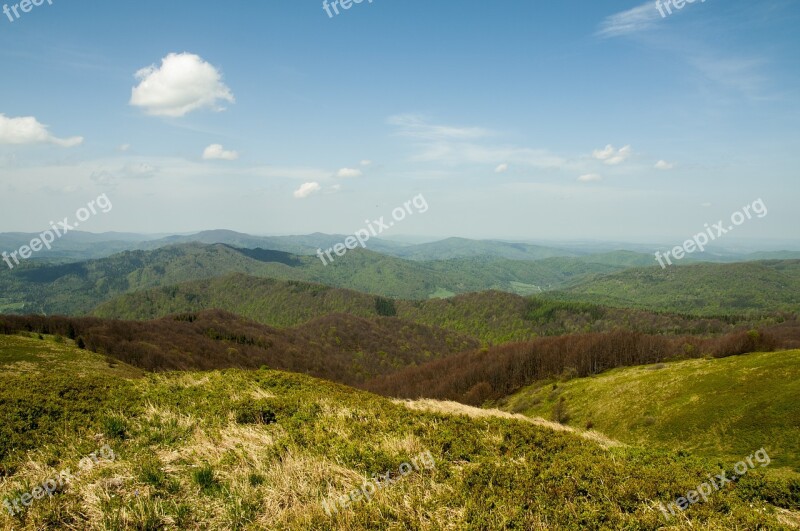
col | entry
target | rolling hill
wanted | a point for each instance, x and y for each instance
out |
(492, 317)
(271, 450)
(720, 408)
(76, 288)
(490, 374)
(339, 347)
(700, 289)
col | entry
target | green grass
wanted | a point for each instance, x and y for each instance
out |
(26, 353)
(183, 461)
(718, 408)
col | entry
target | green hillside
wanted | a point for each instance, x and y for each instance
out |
(268, 301)
(450, 248)
(701, 289)
(722, 408)
(705, 289)
(490, 316)
(264, 450)
(76, 288)
(339, 347)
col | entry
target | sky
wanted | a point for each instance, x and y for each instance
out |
(515, 119)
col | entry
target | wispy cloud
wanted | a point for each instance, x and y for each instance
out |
(636, 20)
(741, 74)
(460, 145)
(417, 126)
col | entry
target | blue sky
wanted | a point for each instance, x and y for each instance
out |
(515, 119)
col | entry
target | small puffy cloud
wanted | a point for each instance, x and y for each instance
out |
(706, 205)
(28, 130)
(124, 147)
(664, 165)
(611, 156)
(306, 190)
(366, 162)
(502, 168)
(217, 152)
(102, 177)
(138, 170)
(345, 173)
(183, 83)
(589, 177)
(129, 170)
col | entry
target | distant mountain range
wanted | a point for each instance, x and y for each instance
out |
(77, 246)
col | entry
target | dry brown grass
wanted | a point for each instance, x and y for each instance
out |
(456, 408)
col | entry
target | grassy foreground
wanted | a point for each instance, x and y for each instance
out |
(262, 449)
(724, 408)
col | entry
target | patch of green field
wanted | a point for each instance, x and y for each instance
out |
(722, 408)
(441, 293)
(7, 306)
(520, 288)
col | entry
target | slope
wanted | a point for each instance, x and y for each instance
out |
(76, 288)
(491, 317)
(701, 289)
(338, 347)
(271, 450)
(722, 408)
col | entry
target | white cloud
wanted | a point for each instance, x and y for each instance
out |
(217, 152)
(664, 165)
(416, 126)
(589, 177)
(307, 189)
(138, 170)
(345, 173)
(742, 74)
(502, 168)
(183, 83)
(124, 147)
(634, 20)
(466, 145)
(366, 162)
(28, 130)
(705, 205)
(611, 156)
